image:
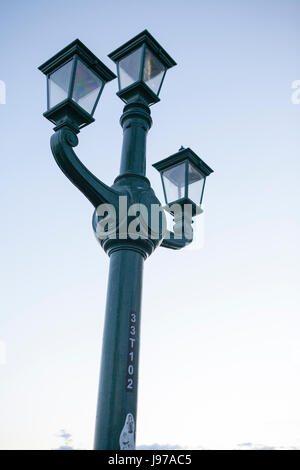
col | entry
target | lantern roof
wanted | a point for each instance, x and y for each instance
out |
(143, 38)
(77, 48)
(180, 156)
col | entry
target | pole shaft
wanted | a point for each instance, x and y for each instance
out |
(136, 122)
(117, 399)
(134, 150)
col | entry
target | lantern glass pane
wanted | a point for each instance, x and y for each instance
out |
(87, 86)
(195, 183)
(174, 182)
(129, 68)
(153, 71)
(59, 83)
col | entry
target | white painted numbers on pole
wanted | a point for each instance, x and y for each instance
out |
(131, 351)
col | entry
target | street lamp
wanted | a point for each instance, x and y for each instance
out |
(183, 177)
(75, 79)
(141, 65)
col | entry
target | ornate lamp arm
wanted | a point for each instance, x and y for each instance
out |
(62, 143)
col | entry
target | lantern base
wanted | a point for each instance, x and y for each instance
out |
(138, 92)
(192, 209)
(183, 210)
(69, 112)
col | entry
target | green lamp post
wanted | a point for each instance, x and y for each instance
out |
(75, 81)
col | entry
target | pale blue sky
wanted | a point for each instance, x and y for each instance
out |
(220, 349)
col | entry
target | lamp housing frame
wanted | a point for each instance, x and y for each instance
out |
(68, 111)
(186, 156)
(139, 90)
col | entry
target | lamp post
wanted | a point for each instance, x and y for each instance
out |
(75, 81)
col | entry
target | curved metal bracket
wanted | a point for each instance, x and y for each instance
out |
(175, 243)
(62, 143)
